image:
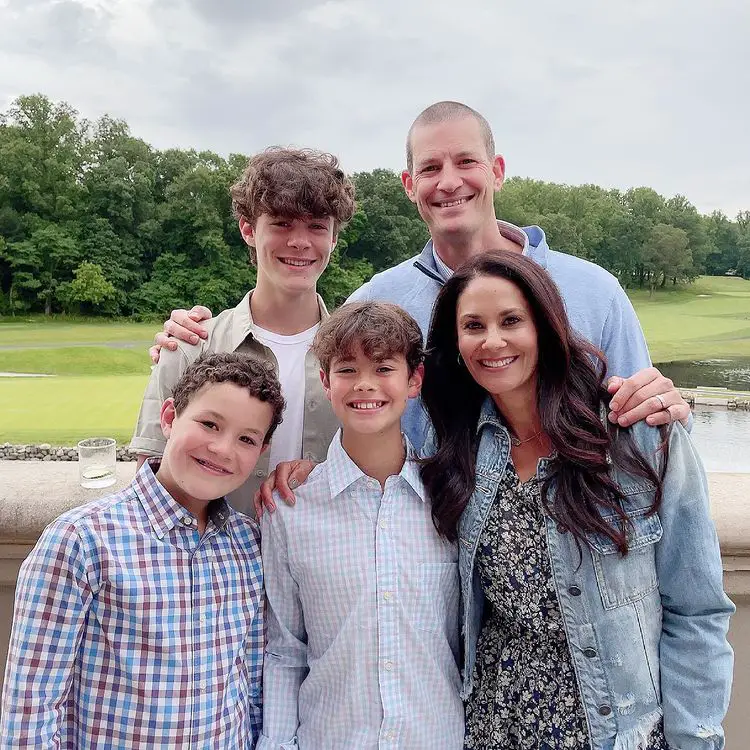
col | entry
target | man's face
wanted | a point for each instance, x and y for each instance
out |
(291, 253)
(453, 178)
(369, 396)
(214, 443)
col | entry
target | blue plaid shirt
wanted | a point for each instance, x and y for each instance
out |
(131, 630)
(363, 616)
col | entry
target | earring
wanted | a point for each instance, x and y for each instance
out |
(459, 360)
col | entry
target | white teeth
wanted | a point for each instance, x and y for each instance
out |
(366, 404)
(449, 204)
(496, 362)
(211, 466)
(297, 262)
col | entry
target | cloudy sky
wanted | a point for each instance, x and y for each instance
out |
(651, 92)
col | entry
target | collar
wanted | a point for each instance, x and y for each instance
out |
(242, 324)
(162, 510)
(343, 472)
(431, 263)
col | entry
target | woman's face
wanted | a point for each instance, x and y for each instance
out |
(497, 337)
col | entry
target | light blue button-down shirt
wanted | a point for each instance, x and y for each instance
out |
(362, 625)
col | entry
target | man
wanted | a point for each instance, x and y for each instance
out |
(452, 175)
(290, 205)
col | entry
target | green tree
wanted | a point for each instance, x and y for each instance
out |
(89, 292)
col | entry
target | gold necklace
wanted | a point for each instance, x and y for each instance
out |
(516, 441)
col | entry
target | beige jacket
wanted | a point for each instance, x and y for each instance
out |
(232, 330)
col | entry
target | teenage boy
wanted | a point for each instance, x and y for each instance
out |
(361, 589)
(290, 205)
(139, 618)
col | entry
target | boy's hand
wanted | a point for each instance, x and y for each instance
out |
(646, 395)
(183, 325)
(287, 476)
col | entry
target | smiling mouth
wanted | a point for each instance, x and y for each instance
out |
(211, 467)
(297, 262)
(454, 202)
(498, 364)
(366, 405)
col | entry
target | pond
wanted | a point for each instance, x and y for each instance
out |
(723, 439)
(718, 373)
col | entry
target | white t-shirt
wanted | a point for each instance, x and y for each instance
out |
(290, 351)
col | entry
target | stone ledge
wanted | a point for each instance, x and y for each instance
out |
(47, 452)
(33, 493)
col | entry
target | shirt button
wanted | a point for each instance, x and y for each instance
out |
(574, 591)
(605, 710)
(258, 473)
(387, 596)
(187, 520)
(383, 525)
(388, 666)
(390, 735)
(309, 456)
(589, 652)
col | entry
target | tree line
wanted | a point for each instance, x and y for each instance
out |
(96, 221)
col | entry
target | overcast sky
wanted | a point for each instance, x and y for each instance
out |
(651, 92)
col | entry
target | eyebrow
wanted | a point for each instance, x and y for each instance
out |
(508, 311)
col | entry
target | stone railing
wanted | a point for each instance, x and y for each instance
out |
(33, 493)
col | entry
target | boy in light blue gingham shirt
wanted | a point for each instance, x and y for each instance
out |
(362, 591)
(139, 617)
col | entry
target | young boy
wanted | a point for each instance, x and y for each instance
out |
(290, 205)
(362, 592)
(139, 617)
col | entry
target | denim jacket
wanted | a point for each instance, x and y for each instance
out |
(646, 632)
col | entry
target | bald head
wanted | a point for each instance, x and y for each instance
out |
(445, 112)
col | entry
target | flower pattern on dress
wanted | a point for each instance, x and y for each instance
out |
(525, 690)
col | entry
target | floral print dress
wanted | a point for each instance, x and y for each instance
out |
(525, 693)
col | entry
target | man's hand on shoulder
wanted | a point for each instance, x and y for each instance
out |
(184, 325)
(646, 395)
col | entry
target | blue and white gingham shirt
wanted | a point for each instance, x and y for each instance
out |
(132, 631)
(363, 616)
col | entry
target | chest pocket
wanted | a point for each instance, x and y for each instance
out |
(623, 580)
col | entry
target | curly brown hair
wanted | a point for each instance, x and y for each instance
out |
(252, 373)
(293, 183)
(380, 329)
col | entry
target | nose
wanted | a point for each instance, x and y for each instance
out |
(363, 384)
(299, 239)
(221, 445)
(450, 180)
(495, 339)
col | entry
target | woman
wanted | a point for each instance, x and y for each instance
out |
(593, 609)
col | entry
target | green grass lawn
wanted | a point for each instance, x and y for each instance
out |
(99, 388)
(707, 320)
(63, 410)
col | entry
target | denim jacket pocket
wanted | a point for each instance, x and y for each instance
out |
(437, 603)
(624, 580)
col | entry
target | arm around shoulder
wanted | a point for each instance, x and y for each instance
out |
(696, 659)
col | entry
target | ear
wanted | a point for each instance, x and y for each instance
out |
(498, 169)
(324, 379)
(247, 230)
(415, 381)
(408, 183)
(167, 417)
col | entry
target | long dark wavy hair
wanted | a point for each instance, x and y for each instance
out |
(570, 394)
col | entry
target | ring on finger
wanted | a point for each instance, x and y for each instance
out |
(661, 400)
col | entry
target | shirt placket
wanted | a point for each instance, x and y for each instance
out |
(200, 623)
(388, 605)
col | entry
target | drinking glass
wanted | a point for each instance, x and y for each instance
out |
(97, 462)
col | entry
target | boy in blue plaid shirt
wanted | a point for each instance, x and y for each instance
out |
(362, 592)
(139, 618)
